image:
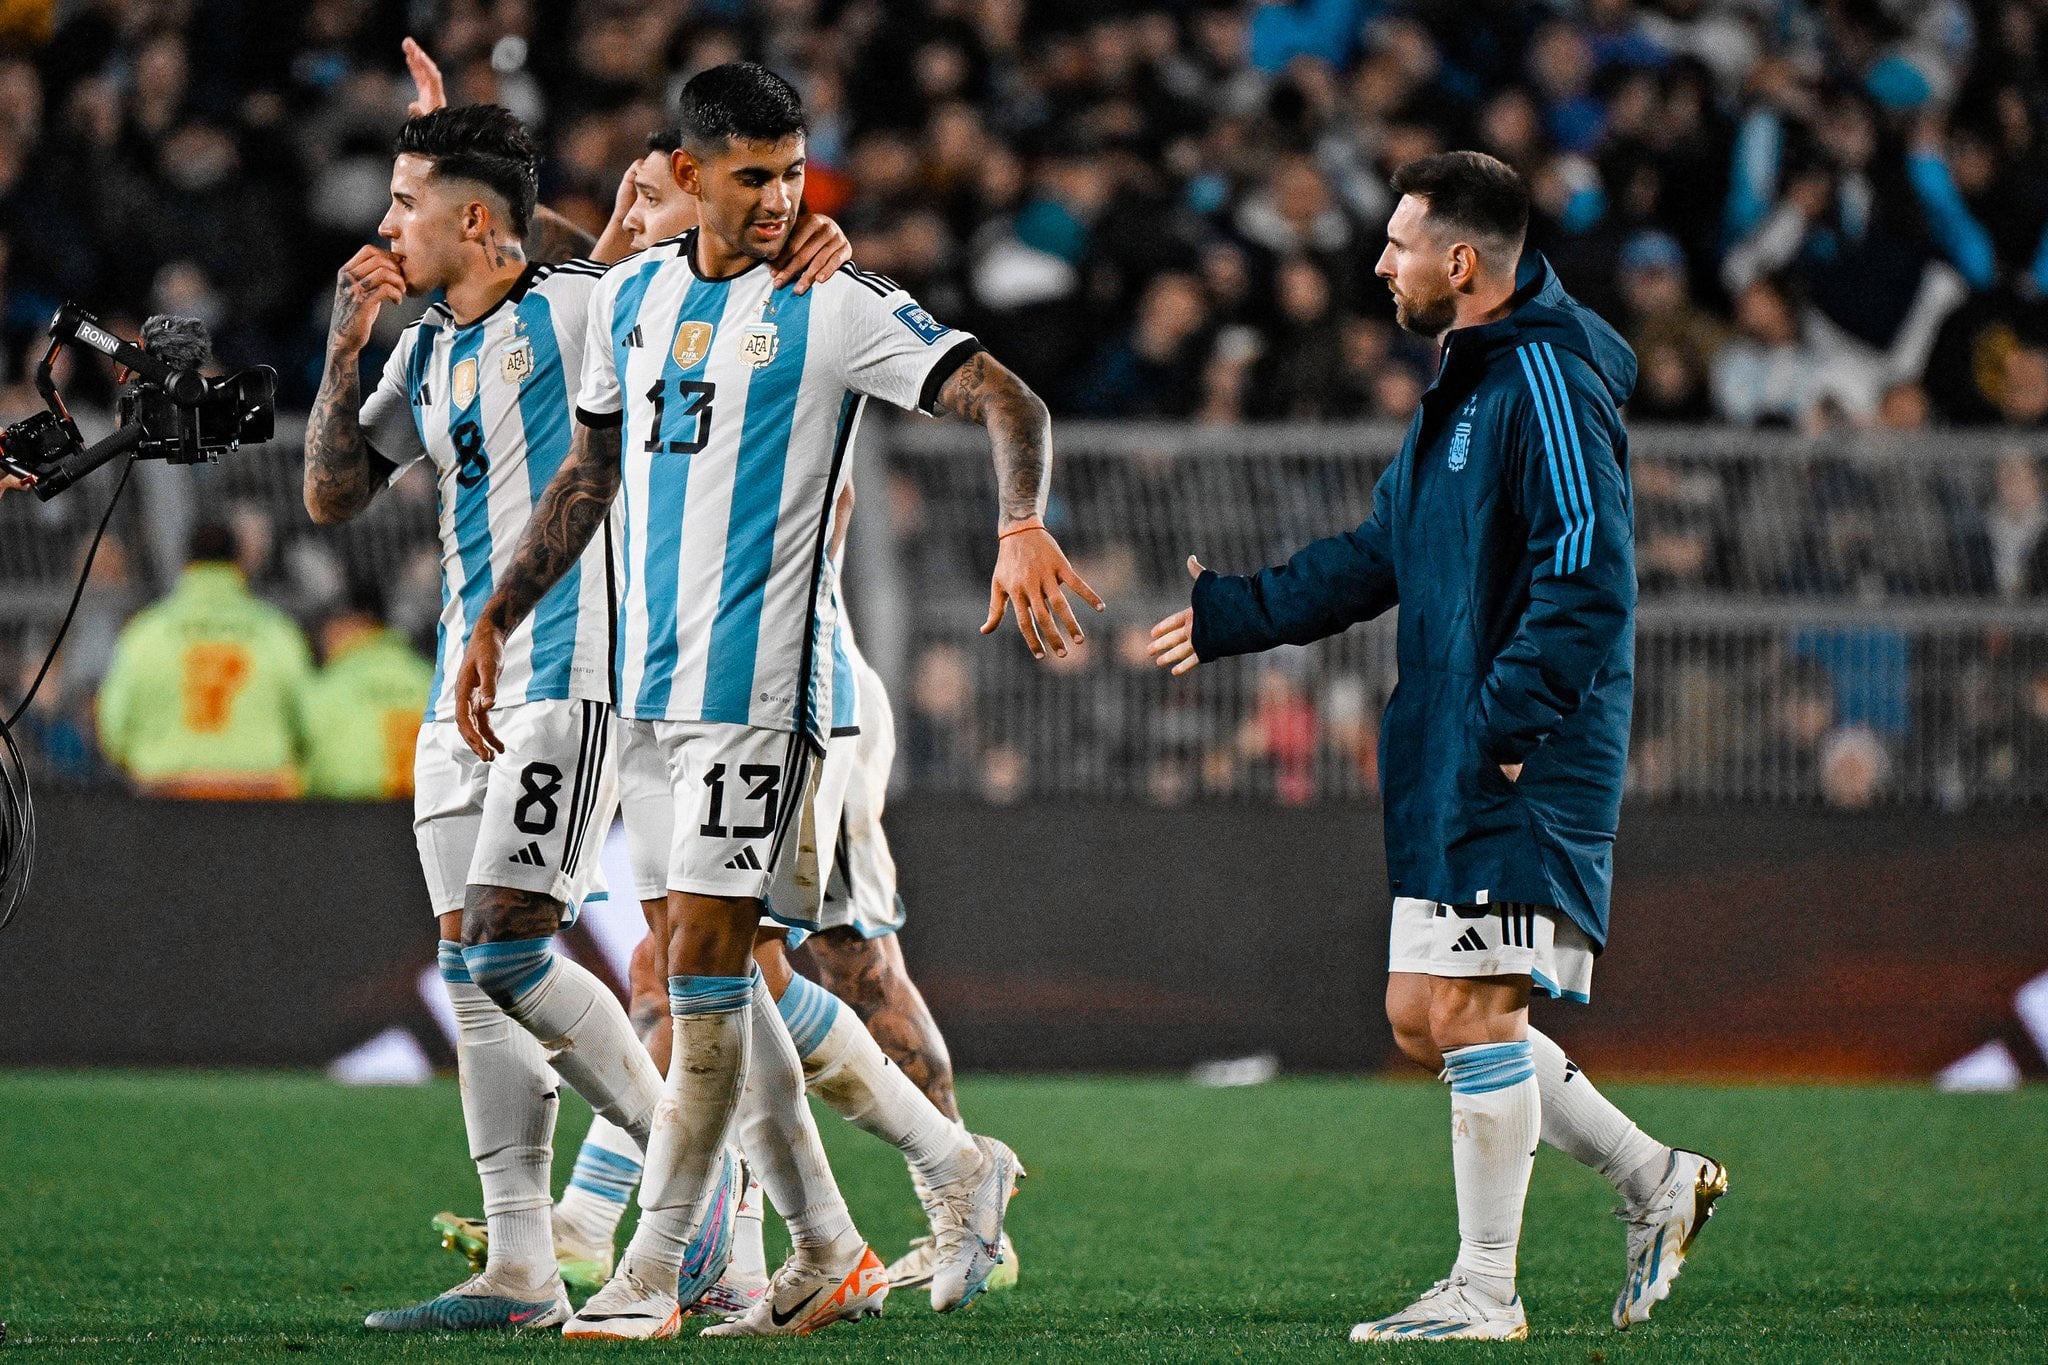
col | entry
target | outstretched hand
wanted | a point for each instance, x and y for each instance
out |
(1173, 640)
(1032, 574)
(427, 84)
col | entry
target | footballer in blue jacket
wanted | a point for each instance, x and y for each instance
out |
(1503, 532)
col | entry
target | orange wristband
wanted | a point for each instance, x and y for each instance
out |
(1035, 524)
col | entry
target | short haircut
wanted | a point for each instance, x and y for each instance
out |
(212, 543)
(481, 142)
(664, 140)
(1473, 194)
(742, 101)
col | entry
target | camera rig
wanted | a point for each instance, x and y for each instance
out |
(170, 412)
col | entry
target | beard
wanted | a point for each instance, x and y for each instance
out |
(1426, 317)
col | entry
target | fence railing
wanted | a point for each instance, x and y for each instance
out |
(1852, 618)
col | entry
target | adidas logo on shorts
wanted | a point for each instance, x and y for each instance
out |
(744, 861)
(1469, 942)
(530, 856)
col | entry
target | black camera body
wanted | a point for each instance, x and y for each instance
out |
(234, 409)
(170, 412)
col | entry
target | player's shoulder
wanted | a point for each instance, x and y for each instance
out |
(849, 278)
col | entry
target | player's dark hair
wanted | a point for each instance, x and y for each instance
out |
(481, 142)
(1472, 193)
(212, 543)
(664, 140)
(739, 100)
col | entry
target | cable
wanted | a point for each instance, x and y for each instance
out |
(17, 805)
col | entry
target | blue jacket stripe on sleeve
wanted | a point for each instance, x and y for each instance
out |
(1567, 505)
(1577, 465)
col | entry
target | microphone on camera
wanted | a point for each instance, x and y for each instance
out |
(183, 345)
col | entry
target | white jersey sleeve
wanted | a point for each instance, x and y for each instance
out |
(890, 347)
(387, 419)
(598, 394)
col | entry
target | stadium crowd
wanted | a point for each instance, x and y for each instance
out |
(1829, 217)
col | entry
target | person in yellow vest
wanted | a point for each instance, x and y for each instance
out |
(364, 708)
(205, 696)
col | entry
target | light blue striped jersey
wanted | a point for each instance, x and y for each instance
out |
(740, 403)
(490, 405)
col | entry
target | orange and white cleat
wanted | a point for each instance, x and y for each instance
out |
(803, 1298)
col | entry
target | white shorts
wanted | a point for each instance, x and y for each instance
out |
(1502, 939)
(746, 808)
(861, 893)
(525, 819)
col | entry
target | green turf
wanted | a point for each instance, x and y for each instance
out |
(242, 1217)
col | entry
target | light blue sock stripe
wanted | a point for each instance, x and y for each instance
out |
(607, 1175)
(709, 994)
(454, 970)
(810, 1011)
(1485, 1068)
(509, 969)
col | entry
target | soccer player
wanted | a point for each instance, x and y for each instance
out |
(1503, 531)
(725, 408)
(481, 386)
(855, 948)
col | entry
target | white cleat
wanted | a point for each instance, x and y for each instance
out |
(913, 1269)
(627, 1309)
(734, 1296)
(803, 1298)
(1453, 1310)
(1662, 1229)
(967, 1226)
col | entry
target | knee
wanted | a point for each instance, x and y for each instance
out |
(853, 968)
(507, 969)
(1410, 1020)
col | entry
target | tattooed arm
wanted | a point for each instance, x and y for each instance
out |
(342, 472)
(1031, 572)
(553, 239)
(570, 510)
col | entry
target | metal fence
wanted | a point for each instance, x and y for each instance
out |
(1858, 619)
(1854, 620)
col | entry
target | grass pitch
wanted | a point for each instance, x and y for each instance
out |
(197, 1217)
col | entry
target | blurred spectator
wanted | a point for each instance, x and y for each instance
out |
(206, 694)
(363, 709)
(1675, 342)
(1155, 370)
(2017, 526)
(1853, 768)
(1778, 372)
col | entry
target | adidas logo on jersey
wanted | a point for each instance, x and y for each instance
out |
(1469, 942)
(633, 338)
(530, 856)
(744, 861)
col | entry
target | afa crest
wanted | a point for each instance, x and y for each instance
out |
(1461, 445)
(517, 362)
(693, 343)
(758, 343)
(462, 383)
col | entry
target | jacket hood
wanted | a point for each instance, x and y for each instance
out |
(1543, 311)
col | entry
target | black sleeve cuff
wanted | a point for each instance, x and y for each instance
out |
(602, 421)
(381, 469)
(963, 351)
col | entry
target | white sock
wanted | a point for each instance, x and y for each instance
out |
(685, 1151)
(780, 1138)
(508, 1108)
(749, 1254)
(1496, 1118)
(578, 1021)
(607, 1169)
(847, 1069)
(1584, 1124)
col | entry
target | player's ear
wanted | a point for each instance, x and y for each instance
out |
(684, 167)
(476, 220)
(1463, 263)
